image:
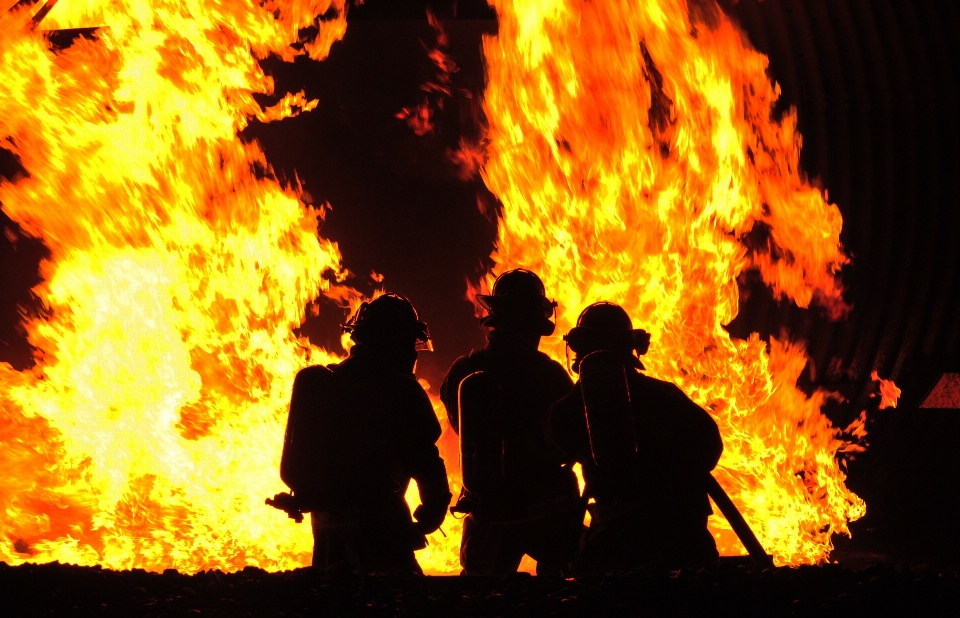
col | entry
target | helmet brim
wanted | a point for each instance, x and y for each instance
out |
(484, 301)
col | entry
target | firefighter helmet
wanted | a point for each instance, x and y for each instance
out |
(519, 298)
(388, 317)
(606, 326)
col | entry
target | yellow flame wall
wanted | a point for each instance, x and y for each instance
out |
(150, 431)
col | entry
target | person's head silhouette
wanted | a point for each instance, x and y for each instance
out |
(518, 302)
(606, 326)
(390, 327)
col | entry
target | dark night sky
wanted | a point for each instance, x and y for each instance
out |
(398, 205)
(875, 83)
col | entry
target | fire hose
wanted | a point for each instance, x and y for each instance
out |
(613, 438)
(39, 15)
(738, 523)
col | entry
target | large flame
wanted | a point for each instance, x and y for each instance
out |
(634, 149)
(148, 434)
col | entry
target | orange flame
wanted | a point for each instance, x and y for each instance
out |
(149, 432)
(889, 392)
(634, 149)
(435, 91)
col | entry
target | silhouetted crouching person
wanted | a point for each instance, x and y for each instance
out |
(358, 431)
(519, 498)
(646, 450)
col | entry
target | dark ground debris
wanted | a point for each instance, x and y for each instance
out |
(879, 590)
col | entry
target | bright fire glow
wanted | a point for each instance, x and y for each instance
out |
(633, 148)
(149, 432)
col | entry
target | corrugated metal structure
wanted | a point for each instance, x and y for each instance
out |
(876, 84)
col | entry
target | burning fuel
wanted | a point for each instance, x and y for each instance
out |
(634, 150)
(149, 431)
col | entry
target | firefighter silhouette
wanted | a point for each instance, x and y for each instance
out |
(519, 498)
(645, 448)
(357, 432)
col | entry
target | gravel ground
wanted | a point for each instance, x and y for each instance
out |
(51, 589)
